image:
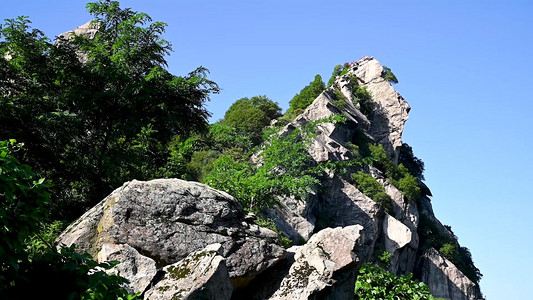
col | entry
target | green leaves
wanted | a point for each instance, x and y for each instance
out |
(31, 267)
(96, 111)
(398, 175)
(23, 200)
(250, 115)
(307, 95)
(371, 188)
(376, 283)
(285, 168)
(388, 75)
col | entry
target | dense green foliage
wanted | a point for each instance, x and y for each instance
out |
(22, 208)
(31, 267)
(250, 115)
(363, 97)
(285, 168)
(306, 96)
(65, 274)
(88, 127)
(388, 75)
(414, 165)
(371, 188)
(192, 158)
(375, 283)
(398, 175)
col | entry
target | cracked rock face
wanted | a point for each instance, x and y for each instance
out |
(201, 275)
(139, 270)
(167, 219)
(444, 279)
(325, 267)
(389, 116)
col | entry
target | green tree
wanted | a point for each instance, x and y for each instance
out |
(306, 96)
(23, 200)
(250, 115)
(90, 126)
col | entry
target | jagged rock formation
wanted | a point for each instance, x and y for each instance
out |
(166, 225)
(200, 275)
(444, 279)
(323, 268)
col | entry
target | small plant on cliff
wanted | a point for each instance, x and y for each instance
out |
(375, 191)
(269, 223)
(414, 164)
(399, 176)
(340, 100)
(336, 72)
(362, 96)
(388, 75)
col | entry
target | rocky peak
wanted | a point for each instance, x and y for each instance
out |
(166, 225)
(390, 110)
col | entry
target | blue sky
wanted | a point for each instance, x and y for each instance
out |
(464, 67)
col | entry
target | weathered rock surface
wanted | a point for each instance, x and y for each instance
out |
(343, 204)
(88, 29)
(202, 275)
(397, 239)
(324, 268)
(444, 279)
(331, 142)
(391, 112)
(137, 268)
(167, 219)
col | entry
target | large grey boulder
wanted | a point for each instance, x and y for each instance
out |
(166, 219)
(202, 275)
(444, 279)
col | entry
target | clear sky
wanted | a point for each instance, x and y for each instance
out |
(464, 67)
